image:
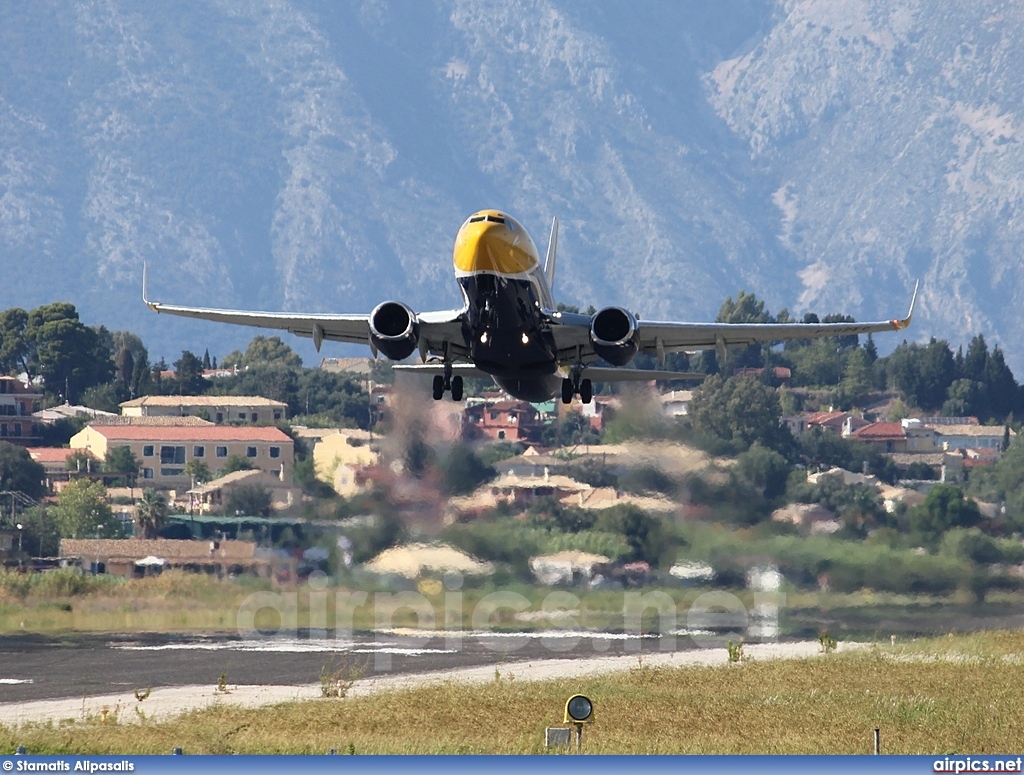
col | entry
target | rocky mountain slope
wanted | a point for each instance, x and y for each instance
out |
(290, 154)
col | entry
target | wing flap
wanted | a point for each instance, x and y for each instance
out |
(431, 369)
(609, 374)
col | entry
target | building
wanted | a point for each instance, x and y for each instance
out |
(17, 403)
(676, 403)
(337, 458)
(253, 410)
(212, 496)
(130, 556)
(780, 376)
(69, 411)
(163, 451)
(508, 420)
(358, 367)
(989, 437)
(884, 436)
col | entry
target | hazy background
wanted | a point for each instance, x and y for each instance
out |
(321, 156)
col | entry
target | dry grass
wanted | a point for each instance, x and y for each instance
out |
(65, 601)
(829, 704)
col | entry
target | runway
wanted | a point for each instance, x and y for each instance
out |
(35, 667)
(94, 676)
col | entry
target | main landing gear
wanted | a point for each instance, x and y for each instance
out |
(445, 383)
(572, 386)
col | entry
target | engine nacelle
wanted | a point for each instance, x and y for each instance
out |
(394, 330)
(614, 335)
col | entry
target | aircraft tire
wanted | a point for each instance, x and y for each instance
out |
(567, 391)
(438, 387)
(456, 388)
(586, 391)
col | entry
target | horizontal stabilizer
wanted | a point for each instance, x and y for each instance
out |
(605, 374)
(430, 369)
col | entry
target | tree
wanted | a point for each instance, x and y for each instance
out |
(746, 309)
(151, 513)
(740, 409)
(944, 508)
(236, 463)
(121, 460)
(106, 397)
(67, 354)
(857, 375)
(198, 471)
(573, 429)
(15, 350)
(18, 471)
(40, 535)
(83, 512)
(922, 375)
(644, 533)
(270, 351)
(80, 461)
(462, 471)
(189, 371)
(765, 469)
(249, 500)
(1001, 386)
(340, 397)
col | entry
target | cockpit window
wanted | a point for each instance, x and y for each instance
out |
(489, 218)
(476, 219)
(495, 219)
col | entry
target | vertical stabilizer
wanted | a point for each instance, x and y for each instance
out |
(549, 263)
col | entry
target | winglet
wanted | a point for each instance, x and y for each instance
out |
(145, 299)
(899, 325)
(549, 262)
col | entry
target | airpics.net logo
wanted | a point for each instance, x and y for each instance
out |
(506, 620)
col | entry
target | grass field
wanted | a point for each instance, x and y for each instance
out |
(957, 694)
(62, 602)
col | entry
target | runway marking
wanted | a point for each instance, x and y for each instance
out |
(288, 647)
(10, 681)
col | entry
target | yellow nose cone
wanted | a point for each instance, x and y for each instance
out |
(486, 246)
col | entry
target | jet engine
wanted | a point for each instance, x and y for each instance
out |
(394, 330)
(614, 335)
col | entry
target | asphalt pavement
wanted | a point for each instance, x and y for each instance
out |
(34, 667)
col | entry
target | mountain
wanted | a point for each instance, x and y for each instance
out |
(892, 134)
(320, 156)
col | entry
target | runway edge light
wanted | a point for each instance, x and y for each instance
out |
(579, 710)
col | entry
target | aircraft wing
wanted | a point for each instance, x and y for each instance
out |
(436, 328)
(572, 333)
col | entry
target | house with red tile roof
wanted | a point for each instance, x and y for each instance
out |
(885, 436)
(163, 451)
(507, 419)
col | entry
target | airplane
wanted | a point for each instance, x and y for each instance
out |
(509, 327)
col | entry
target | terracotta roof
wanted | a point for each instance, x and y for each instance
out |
(987, 431)
(880, 431)
(267, 478)
(120, 419)
(820, 417)
(191, 433)
(203, 401)
(509, 404)
(167, 548)
(52, 454)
